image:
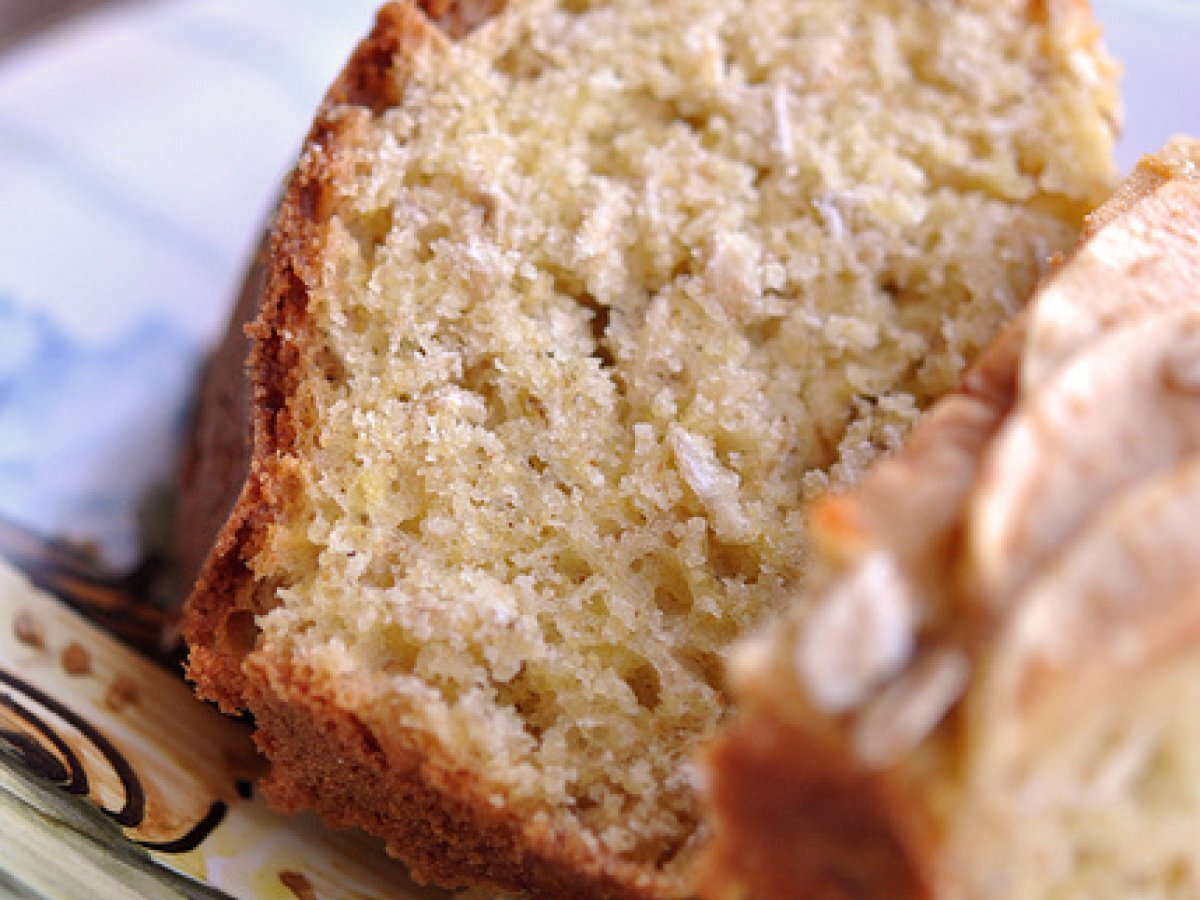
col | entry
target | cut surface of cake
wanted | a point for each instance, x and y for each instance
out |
(997, 699)
(569, 309)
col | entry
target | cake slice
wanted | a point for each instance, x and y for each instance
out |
(568, 310)
(1081, 438)
(1119, 274)
(998, 699)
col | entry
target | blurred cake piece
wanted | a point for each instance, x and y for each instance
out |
(995, 694)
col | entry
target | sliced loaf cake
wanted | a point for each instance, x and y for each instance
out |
(569, 309)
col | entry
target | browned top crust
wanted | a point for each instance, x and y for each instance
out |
(809, 825)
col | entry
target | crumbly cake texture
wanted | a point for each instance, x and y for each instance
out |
(991, 695)
(565, 320)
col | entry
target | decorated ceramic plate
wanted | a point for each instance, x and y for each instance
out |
(141, 145)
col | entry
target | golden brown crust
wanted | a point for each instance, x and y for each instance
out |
(324, 758)
(839, 831)
(435, 819)
(215, 616)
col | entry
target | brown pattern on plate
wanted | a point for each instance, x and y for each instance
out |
(82, 709)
